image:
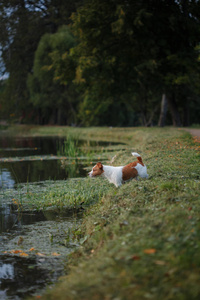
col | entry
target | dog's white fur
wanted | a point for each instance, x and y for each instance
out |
(115, 174)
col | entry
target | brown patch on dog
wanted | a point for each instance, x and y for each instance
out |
(99, 165)
(98, 169)
(129, 171)
(140, 161)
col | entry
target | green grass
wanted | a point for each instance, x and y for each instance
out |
(70, 147)
(60, 196)
(140, 241)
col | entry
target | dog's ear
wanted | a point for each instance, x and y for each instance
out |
(100, 166)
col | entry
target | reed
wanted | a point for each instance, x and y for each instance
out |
(70, 147)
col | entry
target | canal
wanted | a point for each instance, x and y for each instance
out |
(34, 245)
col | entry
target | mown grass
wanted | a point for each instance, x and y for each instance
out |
(140, 241)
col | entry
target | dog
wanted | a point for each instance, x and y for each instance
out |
(120, 175)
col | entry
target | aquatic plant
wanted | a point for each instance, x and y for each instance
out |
(70, 147)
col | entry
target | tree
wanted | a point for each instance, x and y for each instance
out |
(23, 22)
(132, 52)
(128, 54)
(20, 36)
(102, 56)
(54, 98)
(163, 111)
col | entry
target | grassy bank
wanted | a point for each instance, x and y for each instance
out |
(140, 241)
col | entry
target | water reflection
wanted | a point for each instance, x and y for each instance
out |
(8, 219)
(11, 219)
(23, 146)
(33, 159)
(6, 180)
(20, 277)
(17, 278)
(24, 160)
(31, 171)
(6, 271)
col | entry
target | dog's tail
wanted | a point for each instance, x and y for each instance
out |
(138, 157)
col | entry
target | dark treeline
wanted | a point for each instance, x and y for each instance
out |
(100, 62)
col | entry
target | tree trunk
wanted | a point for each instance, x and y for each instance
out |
(143, 117)
(186, 115)
(150, 121)
(163, 111)
(174, 111)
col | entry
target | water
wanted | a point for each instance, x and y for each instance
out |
(32, 250)
(31, 160)
(19, 278)
(24, 272)
(31, 241)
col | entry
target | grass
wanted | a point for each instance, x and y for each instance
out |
(59, 196)
(140, 241)
(72, 152)
(70, 147)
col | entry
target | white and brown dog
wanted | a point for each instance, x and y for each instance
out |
(119, 175)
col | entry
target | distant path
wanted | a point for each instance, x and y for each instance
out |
(194, 132)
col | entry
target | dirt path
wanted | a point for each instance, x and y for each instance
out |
(194, 132)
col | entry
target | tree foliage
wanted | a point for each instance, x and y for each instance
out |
(125, 56)
(23, 22)
(54, 98)
(131, 52)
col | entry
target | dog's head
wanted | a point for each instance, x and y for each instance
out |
(96, 170)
